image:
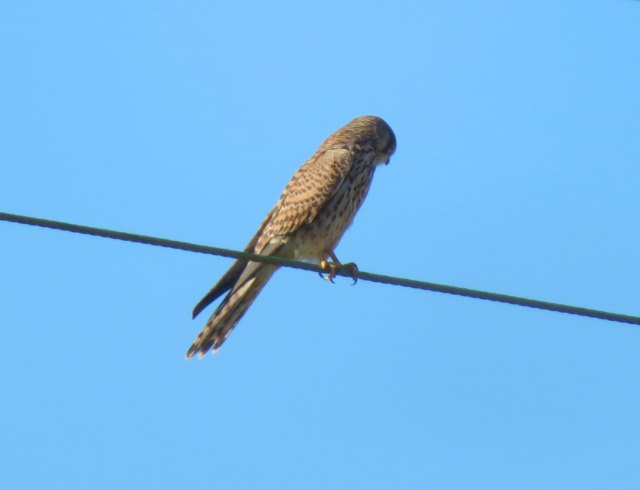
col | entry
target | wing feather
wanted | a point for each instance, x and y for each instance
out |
(308, 191)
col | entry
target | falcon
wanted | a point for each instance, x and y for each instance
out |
(308, 221)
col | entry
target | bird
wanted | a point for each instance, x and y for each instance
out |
(308, 221)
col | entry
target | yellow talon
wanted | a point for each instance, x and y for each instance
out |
(331, 268)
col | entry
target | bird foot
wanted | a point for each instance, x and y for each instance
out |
(332, 269)
(352, 268)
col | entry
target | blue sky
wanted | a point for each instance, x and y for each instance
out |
(516, 172)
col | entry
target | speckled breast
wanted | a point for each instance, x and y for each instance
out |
(313, 240)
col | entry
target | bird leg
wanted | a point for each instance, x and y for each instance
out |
(335, 265)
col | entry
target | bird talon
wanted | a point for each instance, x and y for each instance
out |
(331, 269)
(327, 276)
(353, 270)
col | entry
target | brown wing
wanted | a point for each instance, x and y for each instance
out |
(305, 195)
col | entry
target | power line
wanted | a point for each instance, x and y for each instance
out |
(361, 275)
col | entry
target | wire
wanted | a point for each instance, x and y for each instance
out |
(361, 275)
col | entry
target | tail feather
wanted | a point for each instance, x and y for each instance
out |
(224, 284)
(230, 311)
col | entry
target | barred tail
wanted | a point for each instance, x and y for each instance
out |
(230, 311)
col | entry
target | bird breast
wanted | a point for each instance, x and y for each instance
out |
(323, 234)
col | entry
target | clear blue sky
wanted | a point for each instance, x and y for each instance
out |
(517, 171)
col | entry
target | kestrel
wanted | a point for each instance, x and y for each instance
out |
(313, 212)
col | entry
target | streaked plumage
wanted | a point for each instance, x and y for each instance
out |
(313, 212)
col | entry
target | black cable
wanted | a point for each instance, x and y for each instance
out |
(361, 275)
